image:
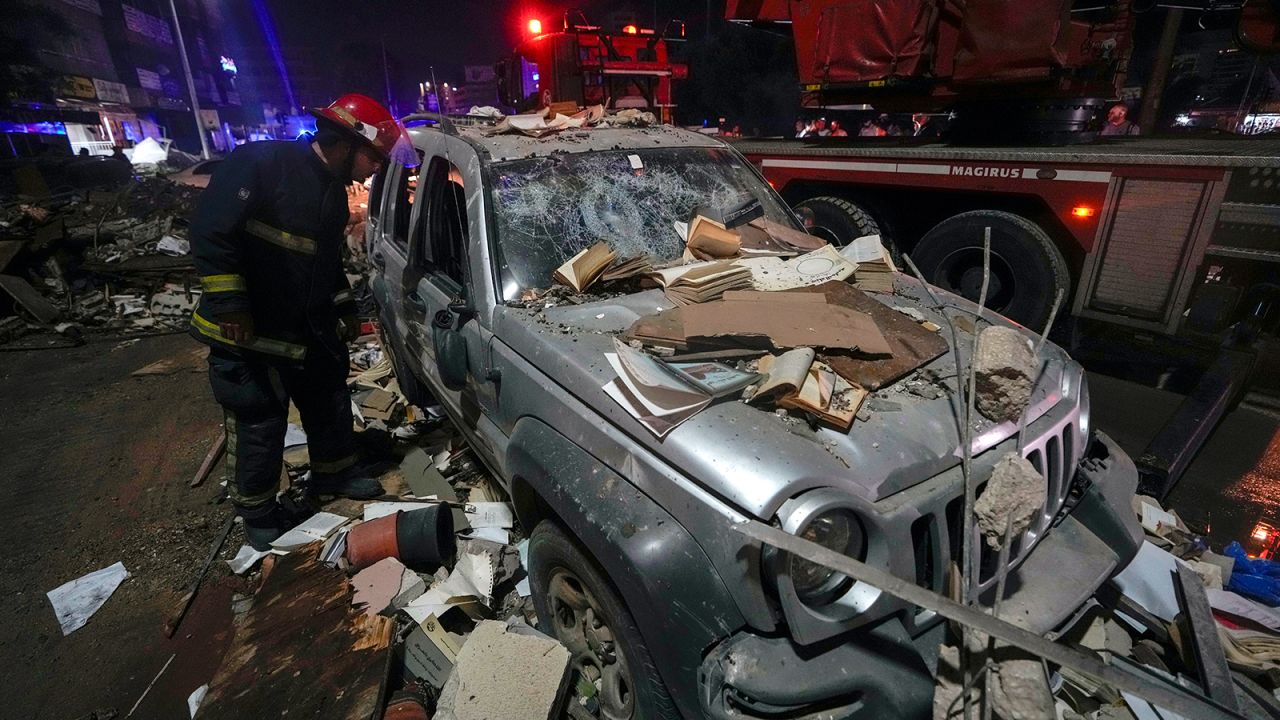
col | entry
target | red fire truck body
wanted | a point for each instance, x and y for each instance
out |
(1137, 225)
(588, 65)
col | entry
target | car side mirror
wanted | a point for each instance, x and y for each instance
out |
(450, 348)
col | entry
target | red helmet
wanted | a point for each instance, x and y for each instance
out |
(368, 120)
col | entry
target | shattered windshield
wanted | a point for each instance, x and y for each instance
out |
(550, 208)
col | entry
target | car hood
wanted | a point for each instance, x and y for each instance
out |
(756, 459)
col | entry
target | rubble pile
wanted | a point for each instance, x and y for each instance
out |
(1179, 613)
(98, 261)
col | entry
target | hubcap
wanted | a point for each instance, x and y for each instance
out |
(579, 625)
(961, 273)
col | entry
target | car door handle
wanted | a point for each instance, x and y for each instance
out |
(416, 300)
(380, 260)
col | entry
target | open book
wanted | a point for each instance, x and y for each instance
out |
(772, 274)
(583, 269)
(783, 374)
(710, 240)
(662, 396)
(830, 397)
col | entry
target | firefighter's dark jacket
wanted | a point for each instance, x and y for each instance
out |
(267, 239)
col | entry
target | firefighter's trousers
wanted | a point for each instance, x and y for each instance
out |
(255, 396)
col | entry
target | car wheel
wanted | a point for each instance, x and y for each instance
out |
(839, 221)
(579, 606)
(1027, 268)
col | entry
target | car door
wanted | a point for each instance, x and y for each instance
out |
(444, 257)
(387, 236)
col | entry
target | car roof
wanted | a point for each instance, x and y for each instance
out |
(500, 148)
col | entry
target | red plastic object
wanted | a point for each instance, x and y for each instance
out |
(873, 39)
(369, 542)
(405, 709)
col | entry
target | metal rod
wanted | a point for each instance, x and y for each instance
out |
(1002, 573)
(970, 579)
(1163, 694)
(191, 83)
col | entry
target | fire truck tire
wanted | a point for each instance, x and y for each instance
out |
(839, 221)
(1027, 268)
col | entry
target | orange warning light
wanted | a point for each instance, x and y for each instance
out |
(535, 26)
(630, 29)
(1083, 212)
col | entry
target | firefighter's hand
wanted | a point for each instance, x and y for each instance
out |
(348, 328)
(236, 327)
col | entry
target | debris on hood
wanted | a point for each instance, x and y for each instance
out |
(1013, 497)
(1006, 371)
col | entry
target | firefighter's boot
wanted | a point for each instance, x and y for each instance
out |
(351, 483)
(263, 525)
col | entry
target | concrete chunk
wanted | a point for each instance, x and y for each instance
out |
(501, 675)
(1015, 487)
(1006, 370)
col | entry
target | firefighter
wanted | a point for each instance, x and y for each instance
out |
(277, 309)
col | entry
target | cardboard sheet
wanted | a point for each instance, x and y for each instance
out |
(770, 320)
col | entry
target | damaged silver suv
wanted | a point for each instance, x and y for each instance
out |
(632, 559)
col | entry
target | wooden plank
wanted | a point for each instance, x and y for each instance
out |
(302, 650)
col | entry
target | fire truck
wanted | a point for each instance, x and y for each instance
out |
(1172, 239)
(624, 67)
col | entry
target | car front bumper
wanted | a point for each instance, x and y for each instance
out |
(882, 670)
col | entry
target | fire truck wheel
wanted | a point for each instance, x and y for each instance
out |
(1027, 268)
(839, 221)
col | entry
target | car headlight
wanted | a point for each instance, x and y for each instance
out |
(836, 530)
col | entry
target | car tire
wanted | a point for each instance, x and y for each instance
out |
(1027, 268)
(578, 605)
(839, 221)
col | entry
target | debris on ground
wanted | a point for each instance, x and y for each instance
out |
(503, 674)
(1006, 371)
(76, 601)
(98, 261)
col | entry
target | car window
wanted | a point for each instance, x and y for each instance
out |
(401, 187)
(375, 193)
(442, 231)
(550, 208)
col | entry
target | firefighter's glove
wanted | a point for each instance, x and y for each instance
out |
(236, 327)
(348, 328)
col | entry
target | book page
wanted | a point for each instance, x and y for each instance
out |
(784, 373)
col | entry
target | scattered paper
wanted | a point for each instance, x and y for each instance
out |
(471, 579)
(175, 246)
(246, 558)
(490, 515)
(771, 274)
(1154, 517)
(375, 510)
(1148, 581)
(864, 249)
(1232, 604)
(195, 698)
(294, 436)
(492, 534)
(76, 601)
(522, 587)
(316, 528)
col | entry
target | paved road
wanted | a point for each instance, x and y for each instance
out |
(1233, 483)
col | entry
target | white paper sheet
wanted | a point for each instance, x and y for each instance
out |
(490, 515)
(76, 601)
(294, 436)
(1148, 581)
(492, 534)
(315, 528)
(373, 511)
(246, 558)
(1153, 517)
(866, 249)
(472, 577)
(196, 697)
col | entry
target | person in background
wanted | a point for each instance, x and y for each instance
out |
(837, 130)
(870, 129)
(801, 127)
(820, 128)
(925, 127)
(1118, 121)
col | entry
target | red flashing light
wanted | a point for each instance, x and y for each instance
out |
(1083, 212)
(535, 26)
(630, 29)
(1261, 533)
